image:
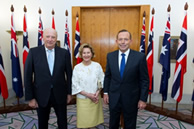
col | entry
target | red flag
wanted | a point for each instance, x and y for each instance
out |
(150, 55)
(25, 40)
(53, 22)
(181, 63)
(3, 82)
(77, 42)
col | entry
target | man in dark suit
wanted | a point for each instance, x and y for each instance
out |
(126, 82)
(47, 80)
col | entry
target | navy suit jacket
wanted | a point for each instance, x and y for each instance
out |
(38, 80)
(135, 82)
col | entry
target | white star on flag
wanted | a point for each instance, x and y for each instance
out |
(141, 48)
(15, 79)
(164, 49)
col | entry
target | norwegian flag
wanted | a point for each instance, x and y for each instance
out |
(142, 44)
(165, 61)
(25, 40)
(16, 73)
(77, 42)
(150, 55)
(40, 32)
(193, 91)
(67, 41)
(3, 82)
(181, 63)
(53, 22)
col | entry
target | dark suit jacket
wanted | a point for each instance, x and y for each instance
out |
(38, 80)
(134, 84)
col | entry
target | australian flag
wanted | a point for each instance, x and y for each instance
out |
(142, 44)
(165, 61)
(40, 32)
(181, 63)
(16, 73)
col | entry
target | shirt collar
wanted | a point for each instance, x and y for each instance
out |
(126, 53)
(49, 49)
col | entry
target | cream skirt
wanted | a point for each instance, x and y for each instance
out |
(89, 114)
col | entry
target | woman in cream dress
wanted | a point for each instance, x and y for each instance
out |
(87, 81)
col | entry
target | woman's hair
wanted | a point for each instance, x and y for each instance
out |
(86, 45)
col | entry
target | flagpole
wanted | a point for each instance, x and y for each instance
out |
(162, 104)
(150, 99)
(4, 104)
(18, 101)
(192, 111)
(177, 107)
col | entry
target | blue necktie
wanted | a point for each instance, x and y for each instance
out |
(122, 66)
(50, 61)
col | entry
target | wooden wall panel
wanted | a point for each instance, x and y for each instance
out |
(99, 26)
(124, 18)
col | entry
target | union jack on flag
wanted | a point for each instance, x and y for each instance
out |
(3, 82)
(67, 41)
(181, 63)
(25, 40)
(150, 55)
(165, 61)
(16, 73)
(40, 32)
(77, 42)
(142, 44)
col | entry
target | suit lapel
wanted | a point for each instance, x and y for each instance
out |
(55, 60)
(116, 62)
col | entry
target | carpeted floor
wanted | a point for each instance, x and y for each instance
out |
(145, 120)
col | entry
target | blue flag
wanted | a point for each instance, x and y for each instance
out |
(165, 61)
(16, 73)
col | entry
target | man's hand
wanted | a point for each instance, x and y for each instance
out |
(33, 104)
(106, 99)
(141, 104)
(69, 99)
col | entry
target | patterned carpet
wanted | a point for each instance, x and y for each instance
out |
(146, 120)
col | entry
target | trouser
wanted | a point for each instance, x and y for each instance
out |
(60, 111)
